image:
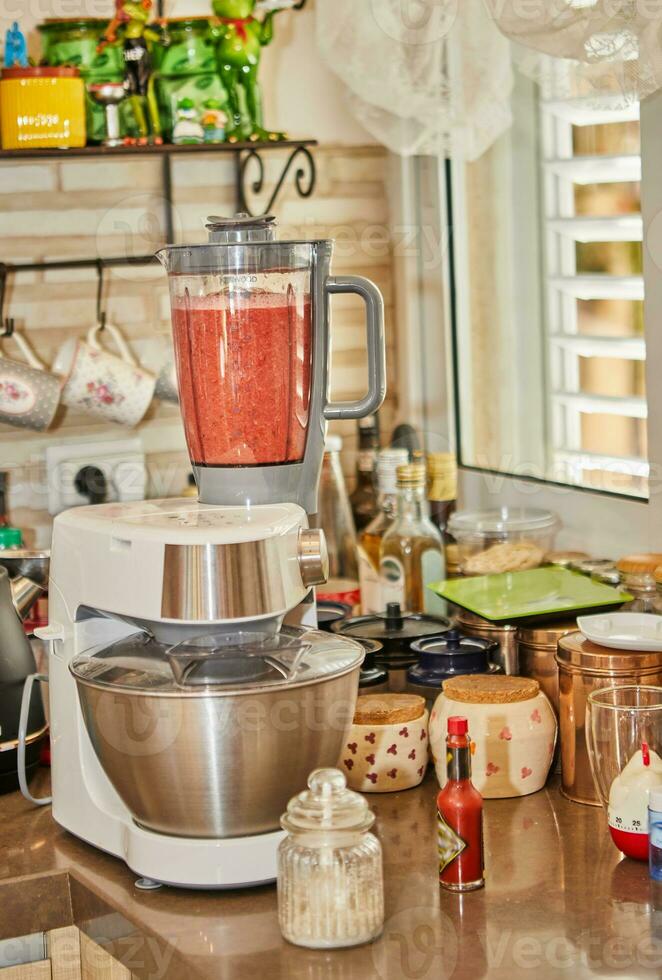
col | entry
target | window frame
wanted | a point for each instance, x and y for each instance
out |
(599, 521)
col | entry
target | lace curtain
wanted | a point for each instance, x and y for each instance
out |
(435, 76)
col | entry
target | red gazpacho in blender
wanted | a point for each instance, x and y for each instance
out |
(244, 371)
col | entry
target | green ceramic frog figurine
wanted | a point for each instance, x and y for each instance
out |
(130, 24)
(241, 37)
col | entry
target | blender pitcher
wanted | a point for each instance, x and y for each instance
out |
(250, 320)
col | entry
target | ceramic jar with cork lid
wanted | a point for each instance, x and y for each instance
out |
(512, 727)
(387, 746)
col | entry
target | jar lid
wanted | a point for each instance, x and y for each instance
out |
(587, 566)
(10, 537)
(452, 641)
(442, 463)
(388, 461)
(40, 71)
(228, 662)
(503, 521)
(329, 612)
(475, 622)
(575, 650)
(327, 804)
(448, 655)
(643, 564)
(564, 558)
(546, 634)
(392, 627)
(490, 689)
(411, 475)
(388, 709)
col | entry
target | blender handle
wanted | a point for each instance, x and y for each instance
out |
(374, 304)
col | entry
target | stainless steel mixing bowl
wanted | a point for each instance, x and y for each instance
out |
(210, 759)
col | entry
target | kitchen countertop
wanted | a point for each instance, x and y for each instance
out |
(559, 901)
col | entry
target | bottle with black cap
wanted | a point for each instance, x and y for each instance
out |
(363, 498)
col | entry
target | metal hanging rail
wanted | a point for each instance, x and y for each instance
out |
(247, 158)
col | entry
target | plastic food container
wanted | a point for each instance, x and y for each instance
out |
(41, 107)
(510, 539)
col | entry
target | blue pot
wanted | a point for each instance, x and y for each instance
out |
(449, 655)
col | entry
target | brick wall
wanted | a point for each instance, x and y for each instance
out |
(84, 208)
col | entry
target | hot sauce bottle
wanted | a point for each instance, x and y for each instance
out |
(460, 816)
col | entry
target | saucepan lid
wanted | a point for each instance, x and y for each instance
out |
(392, 628)
(220, 662)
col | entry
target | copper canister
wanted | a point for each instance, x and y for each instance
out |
(536, 651)
(585, 667)
(504, 635)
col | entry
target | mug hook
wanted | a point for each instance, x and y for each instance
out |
(6, 323)
(101, 313)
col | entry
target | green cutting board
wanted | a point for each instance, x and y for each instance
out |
(545, 591)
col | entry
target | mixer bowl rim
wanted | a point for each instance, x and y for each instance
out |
(210, 691)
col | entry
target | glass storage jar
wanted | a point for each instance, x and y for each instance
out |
(638, 578)
(330, 885)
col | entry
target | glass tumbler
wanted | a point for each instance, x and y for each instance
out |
(619, 720)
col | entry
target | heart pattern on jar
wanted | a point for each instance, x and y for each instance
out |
(526, 772)
(491, 769)
(505, 734)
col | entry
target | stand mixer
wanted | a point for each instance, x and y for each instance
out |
(183, 713)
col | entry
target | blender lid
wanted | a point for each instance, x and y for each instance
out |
(393, 624)
(241, 228)
(230, 663)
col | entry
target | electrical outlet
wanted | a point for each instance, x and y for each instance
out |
(122, 464)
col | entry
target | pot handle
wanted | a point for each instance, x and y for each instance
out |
(22, 736)
(374, 304)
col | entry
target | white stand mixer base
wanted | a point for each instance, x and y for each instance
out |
(185, 862)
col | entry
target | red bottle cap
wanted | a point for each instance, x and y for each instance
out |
(457, 725)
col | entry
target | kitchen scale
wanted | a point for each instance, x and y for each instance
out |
(207, 585)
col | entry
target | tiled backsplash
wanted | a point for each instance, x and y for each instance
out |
(84, 208)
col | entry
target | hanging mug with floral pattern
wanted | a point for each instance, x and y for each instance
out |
(29, 394)
(110, 387)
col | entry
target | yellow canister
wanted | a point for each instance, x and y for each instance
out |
(41, 107)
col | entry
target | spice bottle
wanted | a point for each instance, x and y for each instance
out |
(330, 882)
(460, 816)
(411, 553)
(370, 539)
(363, 498)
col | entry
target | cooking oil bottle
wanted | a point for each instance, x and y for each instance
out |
(411, 552)
(370, 539)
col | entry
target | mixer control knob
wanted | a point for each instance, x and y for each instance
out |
(313, 557)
